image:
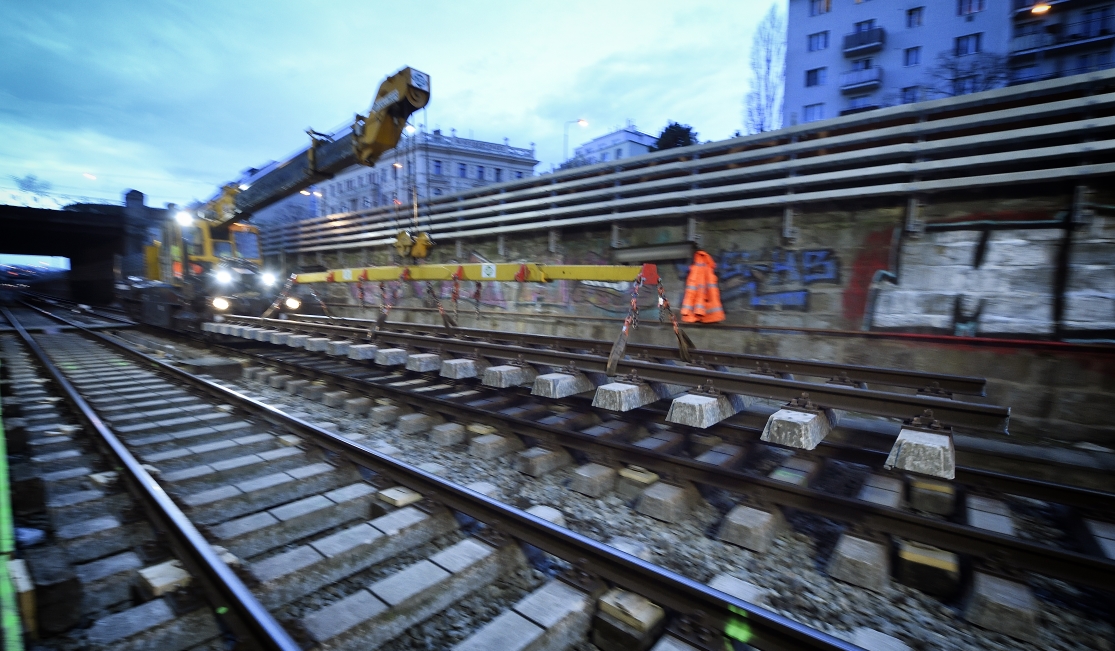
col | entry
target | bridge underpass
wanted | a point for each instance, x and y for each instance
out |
(91, 240)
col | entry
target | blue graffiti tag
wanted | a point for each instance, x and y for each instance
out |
(748, 274)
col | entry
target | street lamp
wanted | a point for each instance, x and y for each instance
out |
(565, 148)
(1040, 8)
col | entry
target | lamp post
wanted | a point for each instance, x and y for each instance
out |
(565, 147)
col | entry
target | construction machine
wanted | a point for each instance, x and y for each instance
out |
(206, 260)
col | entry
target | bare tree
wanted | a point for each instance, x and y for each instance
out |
(762, 106)
(955, 74)
(32, 184)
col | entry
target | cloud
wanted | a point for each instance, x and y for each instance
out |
(175, 98)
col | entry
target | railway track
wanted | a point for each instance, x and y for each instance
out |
(303, 510)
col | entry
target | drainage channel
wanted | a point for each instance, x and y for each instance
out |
(302, 509)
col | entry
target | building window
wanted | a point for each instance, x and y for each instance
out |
(912, 56)
(518, 175)
(862, 64)
(964, 85)
(499, 174)
(910, 94)
(1097, 22)
(969, 44)
(968, 7)
(619, 153)
(816, 77)
(818, 41)
(394, 173)
(603, 156)
(367, 202)
(865, 26)
(813, 112)
(818, 7)
(437, 167)
(462, 170)
(350, 184)
(437, 192)
(915, 17)
(480, 172)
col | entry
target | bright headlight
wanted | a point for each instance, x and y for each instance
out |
(221, 303)
(267, 279)
(293, 303)
(224, 277)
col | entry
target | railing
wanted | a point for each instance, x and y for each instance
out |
(928, 148)
(865, 41)
(1064, 35)
(858, 79)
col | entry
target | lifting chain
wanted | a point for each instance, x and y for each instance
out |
(685, 344)
(456, 294)
(321, 303)
(448, 321)
(476, 298)
(384, 306)
(280, 297)
(629, 324)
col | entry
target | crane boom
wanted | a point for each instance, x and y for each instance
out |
(398, 97)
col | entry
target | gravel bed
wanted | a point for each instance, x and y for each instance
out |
(792, 573)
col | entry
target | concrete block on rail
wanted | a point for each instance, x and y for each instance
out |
(208, 327)
(279, 381)
(461, 369)
(362, 351)
(384, 414)
(796, 429)
(703, 410)
(338, 348)
(509, 375)
(538, 461)
(294, 387)
(358, 406)
(752, 528)
(491, 446)
(264, 376)
(317, 344)
(265, 335)
(417, 423)
(561, 385)
(447, 434)
(622, 396)
(297, 341)
(593, 479)
(548, 513)
(423, 362)
(667, 502)
(861, 562)
(633, 480)
(335, 398)
(555, 616)
(626, 621)
(391, 356)
(926, 453)
(280, 338)
(1003, 606)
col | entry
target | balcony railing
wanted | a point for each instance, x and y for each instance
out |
(866, 41)
(1062, 35)
(857, 80)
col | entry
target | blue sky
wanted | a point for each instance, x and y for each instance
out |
(175, 98)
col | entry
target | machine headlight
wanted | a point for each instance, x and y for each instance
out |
(221, 303)
(268, 279)
(224, 277)
(292, 303)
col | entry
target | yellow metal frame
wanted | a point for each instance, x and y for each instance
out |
(495, 272)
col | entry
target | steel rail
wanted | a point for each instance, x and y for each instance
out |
(1067, 565)
(704, 605)
(230, 598)
(880, 403)
(762, 363)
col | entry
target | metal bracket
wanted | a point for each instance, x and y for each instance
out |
(691, 232)
(501, 245)
(789, 233)
(1082, 212)
(934, 389)
(555, 239)
(577, 577)
(698, 631)
(617, 241)
(914, 222)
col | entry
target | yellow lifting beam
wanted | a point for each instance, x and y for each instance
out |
(487, 272)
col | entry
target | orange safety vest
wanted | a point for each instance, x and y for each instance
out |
(702, 295)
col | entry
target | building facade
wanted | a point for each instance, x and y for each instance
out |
(1068, 38)
(432, 163)
(617, 145)
(845, 56)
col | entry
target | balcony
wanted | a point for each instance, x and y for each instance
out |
(864, 42)
(1061, 36)
(858, 81)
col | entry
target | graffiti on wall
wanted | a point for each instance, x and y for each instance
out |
(772, 279)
